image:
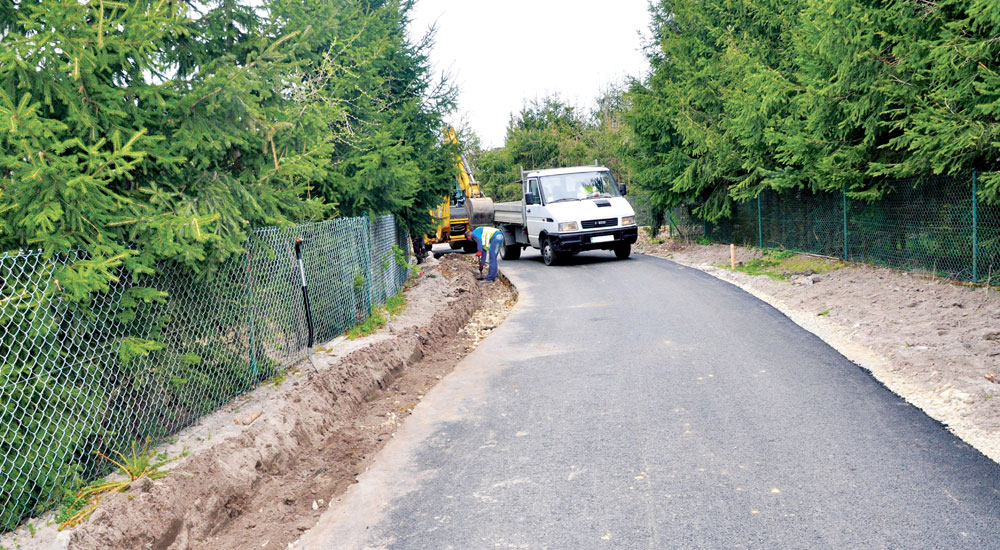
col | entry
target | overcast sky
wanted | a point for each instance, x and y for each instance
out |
(503, 52)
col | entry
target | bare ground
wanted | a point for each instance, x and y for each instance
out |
(934, 342)
(263, 469)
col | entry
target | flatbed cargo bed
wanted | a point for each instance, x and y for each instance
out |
(508, 212)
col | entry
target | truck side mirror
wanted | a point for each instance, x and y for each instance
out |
(529, 199)
(623, 189)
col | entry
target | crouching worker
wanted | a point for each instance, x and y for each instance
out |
(487, 239)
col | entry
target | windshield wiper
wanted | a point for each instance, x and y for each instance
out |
(561, 200)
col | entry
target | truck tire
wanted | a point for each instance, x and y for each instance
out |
(469, 247)
(510, 252)
(622, 251)
(549, 255)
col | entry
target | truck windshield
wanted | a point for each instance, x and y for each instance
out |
(579, 186)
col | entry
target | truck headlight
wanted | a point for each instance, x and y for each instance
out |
(567, 226)
(628, 220)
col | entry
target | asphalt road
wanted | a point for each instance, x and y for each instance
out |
(642, 404)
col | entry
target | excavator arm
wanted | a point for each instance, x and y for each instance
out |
(471, 210)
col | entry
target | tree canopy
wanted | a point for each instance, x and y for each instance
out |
(747, 95)
(549, 133)
(149, 130)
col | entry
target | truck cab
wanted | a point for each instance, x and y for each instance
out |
(564, 211)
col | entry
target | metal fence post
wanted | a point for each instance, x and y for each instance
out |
(250, 315)
(975, 230)
(760, 230)
(843, 193)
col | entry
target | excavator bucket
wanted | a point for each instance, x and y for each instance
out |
(480, 211)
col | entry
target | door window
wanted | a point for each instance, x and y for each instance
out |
(533, 190)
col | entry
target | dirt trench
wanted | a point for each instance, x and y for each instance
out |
(305, 442)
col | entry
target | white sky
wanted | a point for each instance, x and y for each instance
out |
(502, 52)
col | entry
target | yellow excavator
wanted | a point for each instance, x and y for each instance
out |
(464, 209)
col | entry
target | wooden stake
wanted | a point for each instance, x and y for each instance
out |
(732, 256)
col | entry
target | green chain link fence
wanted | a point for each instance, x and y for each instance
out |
(933, 225)
(72, 378)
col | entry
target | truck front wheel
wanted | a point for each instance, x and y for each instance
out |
(549, 255)
(622, 251)
(511, 252)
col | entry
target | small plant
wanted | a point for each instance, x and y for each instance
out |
(278, 379)
(824, 313)
(395, 305)
(658, 240)
(359, 282)
(374, 322)
(31, 528)
(140, 463)
(378, 317)
(400, 256)
(704, 240)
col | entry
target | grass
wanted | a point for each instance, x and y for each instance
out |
(782, 265)
(278, 379)
(138, 464)
(378, 317)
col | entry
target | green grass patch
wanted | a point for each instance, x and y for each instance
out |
(395, 305)
(378, 317)
(782, 265)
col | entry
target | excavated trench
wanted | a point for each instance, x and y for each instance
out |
(283, 454)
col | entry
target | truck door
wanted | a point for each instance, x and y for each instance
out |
(533, 213)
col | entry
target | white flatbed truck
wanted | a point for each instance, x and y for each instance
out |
(564, 211)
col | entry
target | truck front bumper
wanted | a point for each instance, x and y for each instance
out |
(577, 242)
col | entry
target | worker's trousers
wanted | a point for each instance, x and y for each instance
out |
(496, 243)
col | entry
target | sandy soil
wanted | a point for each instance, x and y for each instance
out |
(934, 342)
(263, 469)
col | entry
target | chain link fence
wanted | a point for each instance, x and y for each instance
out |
(932, 225)
(82, 377)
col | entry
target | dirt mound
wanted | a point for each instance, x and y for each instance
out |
(283, 453)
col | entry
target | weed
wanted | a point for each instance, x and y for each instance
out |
(431, 276)
(395, 305)
(31, 529)
(824, 313)
(278, 379)
(658, 240)
(359, 282)
(378, 317)
(765, 265)
(783, 264)
(704, 240)
(374, 322)
(140, 463)
(400, 256)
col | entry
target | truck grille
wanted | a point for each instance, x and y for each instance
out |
(597, 224)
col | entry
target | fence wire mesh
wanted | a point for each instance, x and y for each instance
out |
(72, 382)
(931, 225)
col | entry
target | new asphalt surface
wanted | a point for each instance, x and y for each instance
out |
(642, 404)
